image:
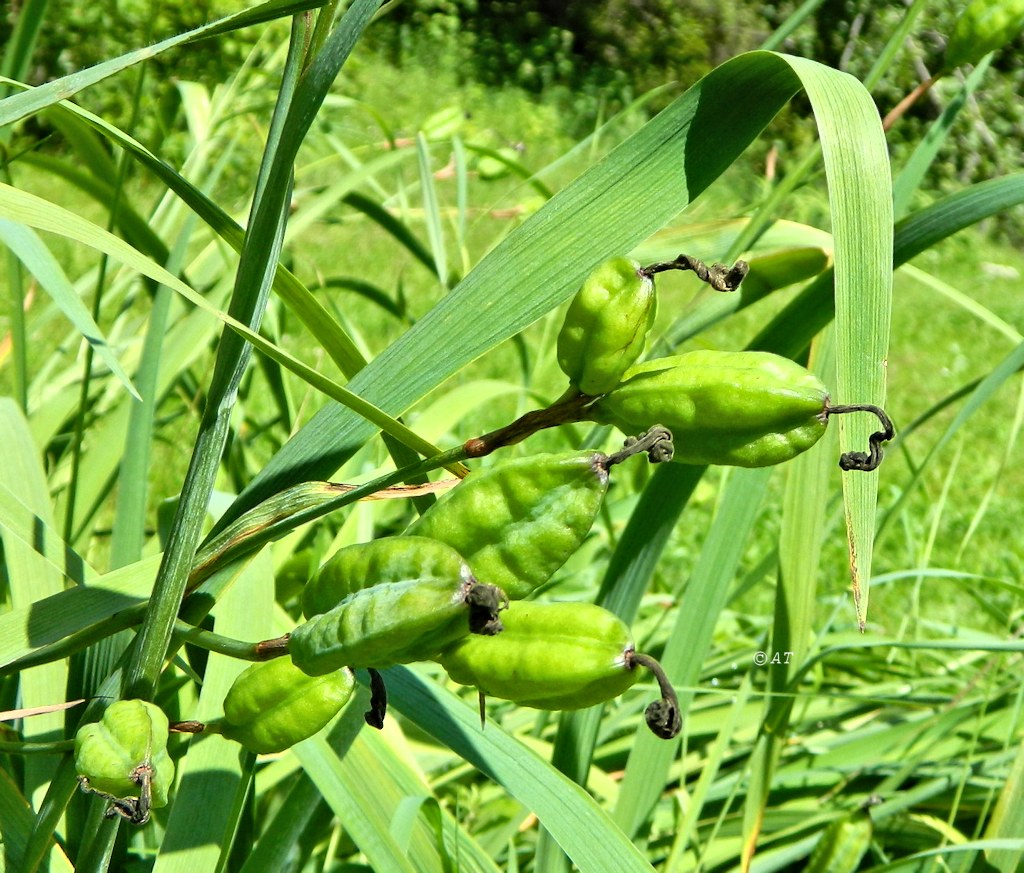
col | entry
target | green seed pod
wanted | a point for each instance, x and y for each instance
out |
(388, 560)
(518, 521)
(395, 623)
(748, 409)
(560, 656)
(108, 752)
(549, 656)
(272, 705)
(984, 26)
(606, 326)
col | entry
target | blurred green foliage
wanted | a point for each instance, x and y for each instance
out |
(587, 58)
(985, 139)
(80, 33)
(601, 52)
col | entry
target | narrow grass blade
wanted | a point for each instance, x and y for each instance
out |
(706, 593)
(31, 578)
(568, 812)
(45, 621)
(36, 212)
(709, 773)
(913, 171)
(432, 211)
(1008, 820)
(398, 229)
(347, 782)
(216, 772)
(299, 810)
(620, 201)
(39, 261)
(985, 390)
(805, 504)
(335, 341)
(22, 105)
(20, 44)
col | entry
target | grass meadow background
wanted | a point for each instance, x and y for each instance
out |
(412, 240)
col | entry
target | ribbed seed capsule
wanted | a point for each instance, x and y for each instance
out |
(518, 521)
(606, 326)
(748, 409)
(549, 655)
(385, 561)
(272, 705)
(984, 26)
(109, 752)
(395, 623)
(560, 656)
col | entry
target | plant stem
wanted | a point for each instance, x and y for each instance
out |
(264, 650)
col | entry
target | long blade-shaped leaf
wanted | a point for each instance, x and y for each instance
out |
(568, 812)
(616, 204)
(39, 261)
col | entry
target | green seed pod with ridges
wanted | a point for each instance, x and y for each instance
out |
(518, 521)
(560, 656)
(983, 27)
(395, 623)
(606, 326)
(549, 656)
(131, 733)
(387, 560)
(272, 705)
(748, 409)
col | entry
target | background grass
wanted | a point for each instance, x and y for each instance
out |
(932, 731)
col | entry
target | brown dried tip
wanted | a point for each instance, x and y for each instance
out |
(869, 460)
(656, 442)
(374, 717)
(718, 276)
(664, 717)
(485, 602)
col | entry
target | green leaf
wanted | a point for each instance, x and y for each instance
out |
(39, 261)
(1008, 819)
(37, 212)
(31, 578)
(616, 204)
(27, 628)
(690, 638)
(432, 210)
(860, 196)
(566, 810)
(215, 772)
(22, 105)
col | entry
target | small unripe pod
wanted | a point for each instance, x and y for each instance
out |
(984, 26)
(748, 409)
(272, 705)
(606, 326)
(395, 623)
(384, 561)
(108, 752)
(518, 521)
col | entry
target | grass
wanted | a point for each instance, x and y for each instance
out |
(932, 731)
